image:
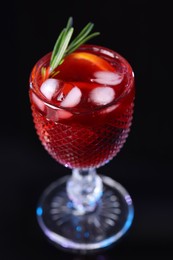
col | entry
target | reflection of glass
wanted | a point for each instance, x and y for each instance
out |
(84, 211)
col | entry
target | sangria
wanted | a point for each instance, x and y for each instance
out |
(82, 113)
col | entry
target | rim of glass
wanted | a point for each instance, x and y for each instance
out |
(98, 49)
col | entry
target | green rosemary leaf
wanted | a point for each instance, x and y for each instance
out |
(56, 47)
(86, 30)
(63, 46)
(60, 39)
(43, 72)
(76, 42)
(73, 47)
(69, 23)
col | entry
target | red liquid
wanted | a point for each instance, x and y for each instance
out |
(87, 134)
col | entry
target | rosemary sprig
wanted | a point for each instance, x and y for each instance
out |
(63, 46)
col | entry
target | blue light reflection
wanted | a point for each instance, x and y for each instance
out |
(39, 211)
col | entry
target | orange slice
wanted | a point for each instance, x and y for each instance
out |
(81, 66)
(93, 60)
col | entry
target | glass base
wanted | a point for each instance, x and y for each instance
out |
(92, 231)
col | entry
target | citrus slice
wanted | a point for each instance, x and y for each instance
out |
(81, 66)
(93, 60)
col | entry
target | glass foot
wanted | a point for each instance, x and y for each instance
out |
(92, 231)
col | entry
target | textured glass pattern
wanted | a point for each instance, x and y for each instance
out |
(78, 146)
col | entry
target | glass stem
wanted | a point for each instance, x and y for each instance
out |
(84, 189)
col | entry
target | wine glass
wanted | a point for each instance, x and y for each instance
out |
(84, 211)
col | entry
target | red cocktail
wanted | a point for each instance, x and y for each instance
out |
(83, 115)
(82, 111)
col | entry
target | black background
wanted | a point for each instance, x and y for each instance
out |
(141, 32)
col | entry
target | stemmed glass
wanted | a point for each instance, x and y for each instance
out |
(85, 211)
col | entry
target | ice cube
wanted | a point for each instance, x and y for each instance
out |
(73, 98)
(102, 95)
(49, 87)
(108, 78)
